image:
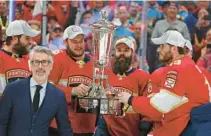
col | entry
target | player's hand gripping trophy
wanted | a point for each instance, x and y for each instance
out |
(97, 101)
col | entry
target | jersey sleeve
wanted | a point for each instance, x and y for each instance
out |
(143, 82)
(171, 91)
(154, 82)
(2, 77)
(142, 105)
(170, 95)
(55, 76)
(178, 89)
(57, 69)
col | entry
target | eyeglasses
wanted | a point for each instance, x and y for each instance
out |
(42, 62)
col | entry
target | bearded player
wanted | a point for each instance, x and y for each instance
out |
(155, 81)
(72, 73)
(13, 62)
(178, 92)
(124, 78)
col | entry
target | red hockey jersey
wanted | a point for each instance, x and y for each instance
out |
(182, 87)
(12, 68)
(155, 81)
(134, 82)
(68, 73)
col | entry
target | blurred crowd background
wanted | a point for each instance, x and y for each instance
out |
(191, 18)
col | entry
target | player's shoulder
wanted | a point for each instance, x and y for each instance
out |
(141, 72)
(181, 22)
(59, 52)
(182, 63)
(4, 56)
(160, 22)
(158, 72)
(183, 66)
(2, 53)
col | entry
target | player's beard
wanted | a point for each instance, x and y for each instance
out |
(123, 65)
(73, 54)
(20, 49)
(166, 57)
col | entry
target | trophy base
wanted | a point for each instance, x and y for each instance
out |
(101, 106)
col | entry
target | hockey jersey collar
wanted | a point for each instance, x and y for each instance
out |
(86, 58)
(11, 54)
(127, 73)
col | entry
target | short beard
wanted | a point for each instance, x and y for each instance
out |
(20, 49)
(167, 59)
(73, 54)
(121, 66)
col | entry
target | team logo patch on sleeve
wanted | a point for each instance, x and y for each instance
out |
(171, 79)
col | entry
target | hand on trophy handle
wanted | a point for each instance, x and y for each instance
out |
(80, 90)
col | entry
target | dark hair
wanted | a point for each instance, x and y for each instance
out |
(181, 50)
(86, 12)
(9, 39)
(19, 7)
(83, 14)
(186, 50)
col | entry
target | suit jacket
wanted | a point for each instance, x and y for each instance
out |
(17, 117)
(200, 121)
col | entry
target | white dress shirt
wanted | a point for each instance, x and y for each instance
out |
(33, 87)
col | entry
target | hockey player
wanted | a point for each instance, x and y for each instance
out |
(13, 62)
(155, 80)
(178, 92)
(124, 78)
(72, 73)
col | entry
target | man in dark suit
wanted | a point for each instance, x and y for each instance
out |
(29, 105)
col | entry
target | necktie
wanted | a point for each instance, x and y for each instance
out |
(36, 99)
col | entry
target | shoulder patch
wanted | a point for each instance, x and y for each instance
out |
(171, 78)
(176, 62)
(57, 52)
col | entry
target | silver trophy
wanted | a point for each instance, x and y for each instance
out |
(98, 101)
